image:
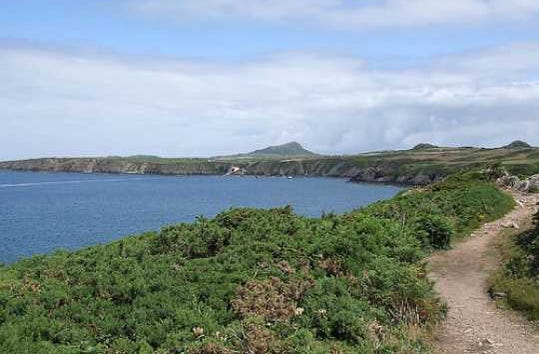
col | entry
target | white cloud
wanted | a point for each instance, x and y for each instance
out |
(60, 103)
(343, 13)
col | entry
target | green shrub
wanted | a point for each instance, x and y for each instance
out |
(519, 278)
(522, 293)
(438, 231)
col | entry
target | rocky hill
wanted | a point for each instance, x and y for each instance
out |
(518, 144)
(289, 150)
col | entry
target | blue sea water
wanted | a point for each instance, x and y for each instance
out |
(42, 212)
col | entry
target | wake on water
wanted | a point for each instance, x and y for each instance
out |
(30, 184)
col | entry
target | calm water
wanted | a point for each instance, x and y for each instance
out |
(41, 212)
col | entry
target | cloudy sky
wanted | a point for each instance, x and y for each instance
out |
(211, 77)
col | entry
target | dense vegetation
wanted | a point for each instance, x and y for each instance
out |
(519, 278)
(252, 281)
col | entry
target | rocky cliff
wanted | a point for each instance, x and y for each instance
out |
(116, 165)
(328, 167)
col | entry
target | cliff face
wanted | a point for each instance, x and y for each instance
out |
(375, 172)
(329, 167)
(116, 165)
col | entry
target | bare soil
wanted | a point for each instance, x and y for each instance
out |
(474, 324)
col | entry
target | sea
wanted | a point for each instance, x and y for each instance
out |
(42, 212)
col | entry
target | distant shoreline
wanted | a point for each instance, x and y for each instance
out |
(346, 179)
(415, 167)
(248, 175)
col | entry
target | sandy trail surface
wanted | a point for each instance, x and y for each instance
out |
(474, 324)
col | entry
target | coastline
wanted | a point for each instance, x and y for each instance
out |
(370, 175)
(406, 168)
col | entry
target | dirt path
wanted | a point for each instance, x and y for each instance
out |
(474, 324)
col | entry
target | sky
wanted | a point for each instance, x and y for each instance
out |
(214, 77)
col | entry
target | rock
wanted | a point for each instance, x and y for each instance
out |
(486, 341)
(322, 312)
(498, 295)
(235, 171)
(422, 179)
(198, 332)
(513, 182)
(509, 181)
(533, 184)
(510, 224)
(506, 225)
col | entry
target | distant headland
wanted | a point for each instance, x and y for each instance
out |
(423, 164)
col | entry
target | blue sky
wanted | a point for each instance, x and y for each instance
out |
(226, 76)
(111, 26)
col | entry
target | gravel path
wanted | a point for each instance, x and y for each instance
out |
(474, 324)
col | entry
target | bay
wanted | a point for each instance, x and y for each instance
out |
(42, 212)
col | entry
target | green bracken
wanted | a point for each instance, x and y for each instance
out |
(253, 281)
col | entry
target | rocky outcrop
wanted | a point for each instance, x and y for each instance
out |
(235, 171)
(378, 175)
(530, 184)
(117, 165)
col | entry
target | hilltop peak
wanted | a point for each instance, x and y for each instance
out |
(424, 146)
(292, 148)
(291, 144)
(518, 144)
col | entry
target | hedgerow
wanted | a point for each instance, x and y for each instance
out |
(253, 281)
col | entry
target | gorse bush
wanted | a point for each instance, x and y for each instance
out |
(437, 231)
(253, 281)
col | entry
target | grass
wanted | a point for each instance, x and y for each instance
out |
(519, 276)
(248, 280)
